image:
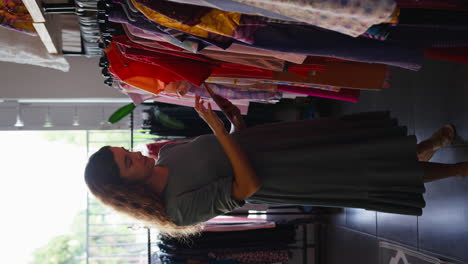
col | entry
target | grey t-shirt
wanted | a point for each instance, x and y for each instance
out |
(200, 181)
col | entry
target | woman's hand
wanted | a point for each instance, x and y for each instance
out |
(231, 111)
(216, 125)
(246, 182)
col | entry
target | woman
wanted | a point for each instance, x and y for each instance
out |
(362, 160)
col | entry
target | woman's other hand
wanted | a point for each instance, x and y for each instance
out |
(210, 117)
(231, 111)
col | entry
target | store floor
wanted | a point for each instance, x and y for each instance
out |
(423, 101)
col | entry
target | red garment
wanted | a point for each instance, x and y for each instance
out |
(195, 72)
(155, 147)
(311, 63)
(349, 95)
(455, 54)
(201, 65)
(153, 78)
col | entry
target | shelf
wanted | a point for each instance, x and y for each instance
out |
(34, 9)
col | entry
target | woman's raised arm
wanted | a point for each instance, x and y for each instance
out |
(231, 111)
(246, 182)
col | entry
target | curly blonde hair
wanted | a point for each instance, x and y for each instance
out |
(131, 198)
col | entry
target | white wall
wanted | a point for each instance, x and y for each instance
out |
(90, 116)
(83, 81)
(41, 87)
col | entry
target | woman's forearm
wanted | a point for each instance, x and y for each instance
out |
(246, 182)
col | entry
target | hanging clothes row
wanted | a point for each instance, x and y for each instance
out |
(157, 48)
(166, 120)
(265, 245)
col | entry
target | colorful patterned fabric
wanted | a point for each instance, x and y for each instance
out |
(228, 24)
(133, 31)
(347, 95)
(350, 17)
(267, 256)
(190, 15)
(378, 32)
(119, 15)
(183, 88)
(15, 16)
(235, 93)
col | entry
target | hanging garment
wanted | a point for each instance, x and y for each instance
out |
(457, 5)
(169, 23)
(268, 63)
(154, 77)
(145, 54)
(185, 14)
(241, 241)
(267, 84)
(263, 62)
(455, 54)
(137, 34)
(253, 57)
(228, 24)
(151, 56)
(350, 17)
(241, 49)
(15, 16)
(211, 227)
(117, 14)
(133, 29)
(378, 32)
(348, 95)
(266, 256)
(24, 49)
(361, 76)
(362, 161)
(139, 96)
(314, 42)
(125, 41)
(434, 18)
(153, 148)
(243, 83)
(352, 75)
(429, 36)
(236, 93)
(365, 77)
(170, 120)
(233, 6)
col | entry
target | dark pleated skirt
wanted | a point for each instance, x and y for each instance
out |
(362, 161)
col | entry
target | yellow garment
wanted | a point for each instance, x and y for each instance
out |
(220, 22)
(167, 22)
(22, 21)
(216, 21)
(394, 17)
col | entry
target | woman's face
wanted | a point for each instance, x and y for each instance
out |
(132, 165)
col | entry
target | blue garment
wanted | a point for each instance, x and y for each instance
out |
(430, 36)
(313, 41)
